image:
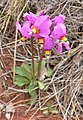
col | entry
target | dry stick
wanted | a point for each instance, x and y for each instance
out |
(39, 64)
(32, 50)
(16, 39)
(65, 95)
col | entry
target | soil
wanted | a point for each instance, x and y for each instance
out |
(19, 102)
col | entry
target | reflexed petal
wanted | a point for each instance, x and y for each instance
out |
(59, 31)
(66, 46)
(63, 27)
(48, 43)
(59, 19)
(18, 26)
(41, 13)
(40, 20)
(30, 17)
(60, 48)
(25, 14)
(45, 28)
(25, 30)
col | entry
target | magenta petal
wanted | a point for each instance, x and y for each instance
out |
(59, 19)
(30, 17)
(63, 27)
(18, 26)
(66, 45)
(25, 30)
(41, 13)
(48, 43)
(60, 48)
(45, 28)
(63, 17)
(40, 20)
(59, 31)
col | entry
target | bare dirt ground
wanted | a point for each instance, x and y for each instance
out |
(65, 86)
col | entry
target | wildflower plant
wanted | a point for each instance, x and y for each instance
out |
(48, 34)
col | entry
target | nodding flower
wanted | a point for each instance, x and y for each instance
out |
(32, 17)
(48, 45)
(59, 19)
(59, 33)
(24, 30)
(41, 27)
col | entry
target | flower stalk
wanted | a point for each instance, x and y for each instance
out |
(39, 63)
(32, 50)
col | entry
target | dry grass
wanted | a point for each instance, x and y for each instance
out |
(66, 84)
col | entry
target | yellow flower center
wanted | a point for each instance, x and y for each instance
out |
(47, 52)
(35, 30)
(41, 41)
(63, 39)
(23, 38)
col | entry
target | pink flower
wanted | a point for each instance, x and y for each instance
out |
(41, 27)
(25, 29)
(59, 33)
(41, 13)
(48, 45)
(59, 19)
(30, 17)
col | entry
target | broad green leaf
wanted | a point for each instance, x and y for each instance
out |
(54, 111)
(22, 72)
(20, 80)
(27, 67)
(45, 112)
(41, 85)
(19, 71)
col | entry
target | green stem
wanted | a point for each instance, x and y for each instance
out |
(39, 64)
(32, 50)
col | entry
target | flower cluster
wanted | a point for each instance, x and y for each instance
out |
(49, 33)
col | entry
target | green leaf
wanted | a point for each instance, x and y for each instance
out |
(31, 88)
(43, 64)
(54, 111)
(49, 72)
(18, 70)
(33, 97)
(41, 85)
(22, 72)
(35, 83)
(32, 101)
(20, 80)
(27, 67)
(49, 106)
(33, 94)
(35, 66)
(45, 112)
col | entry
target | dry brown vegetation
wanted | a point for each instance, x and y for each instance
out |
(65, 86)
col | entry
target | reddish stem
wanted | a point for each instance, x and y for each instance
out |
(32, 50)
(39, 64)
